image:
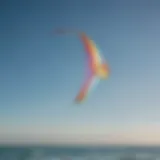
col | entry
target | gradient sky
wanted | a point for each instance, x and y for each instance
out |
(42, 73)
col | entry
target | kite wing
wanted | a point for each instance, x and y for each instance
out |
(89, 46)
(86, 88)
(92, 52)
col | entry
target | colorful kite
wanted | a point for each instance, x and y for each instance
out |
(97, 66)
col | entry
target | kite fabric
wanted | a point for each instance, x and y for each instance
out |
(97, 66)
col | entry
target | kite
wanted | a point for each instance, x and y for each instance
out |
(98, 68)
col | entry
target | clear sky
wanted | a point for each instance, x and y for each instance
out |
(42, 73)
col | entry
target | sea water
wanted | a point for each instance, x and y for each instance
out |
(79, 153)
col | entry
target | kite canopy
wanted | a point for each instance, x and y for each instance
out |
(97, 66)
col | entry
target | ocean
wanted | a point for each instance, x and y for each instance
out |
(79, 153)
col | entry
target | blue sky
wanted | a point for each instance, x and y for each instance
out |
(41, 73)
